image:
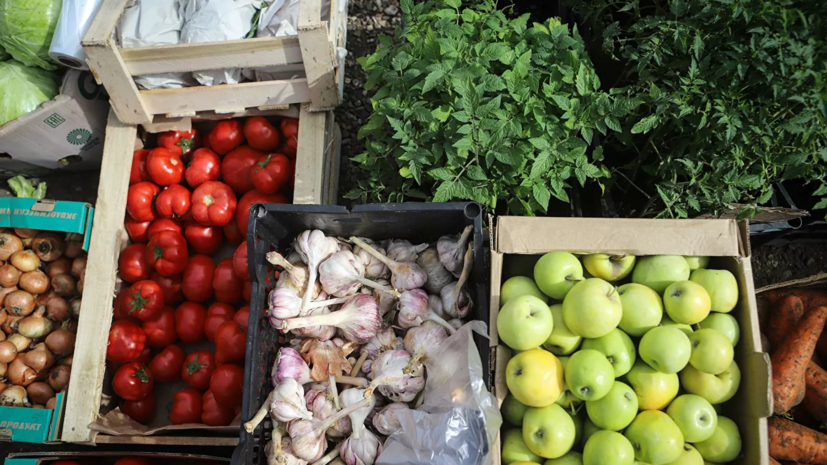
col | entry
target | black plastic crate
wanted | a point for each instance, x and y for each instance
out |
(275, 226)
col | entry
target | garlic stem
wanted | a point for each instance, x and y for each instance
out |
(379, 287)
(334, 391)
(327, 458)
(466, 271)
(327, 303)
(328, 319)
(367, 248)
(441, 321)
(465, 233)
(352, 380)
(332, 419)
(278, 259)
(251, 425)
(359, 363)
(308, 293)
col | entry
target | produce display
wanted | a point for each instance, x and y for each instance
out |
(41, 282)
(360, 317)
(620, 375)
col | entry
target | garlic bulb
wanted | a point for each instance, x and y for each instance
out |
(401, 250)
(456, 323)
(362, 447)
(456, 300)
(321, 402)
(384, 340)
(406, 392)
(385, 300)
(279, 451)
(308, 436)
(438, 276)
(314, 248)
(320, 332)
(294, 276)
(358, 319)
(387, 421)
(452, 248)
(435, 304)
(414, 310)
(290, 364)
(285, 403)
(374, 268)
(284, 304)
(404, 276)
(423, 342)
(326, 358)
(343, 274)
(397, 376)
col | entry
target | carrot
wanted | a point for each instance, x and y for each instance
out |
(773, 461)
(809, 296)
(791, 441)
(815, 397)
(790, 360)
(783, 320)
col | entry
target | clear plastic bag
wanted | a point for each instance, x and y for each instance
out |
(458, 420)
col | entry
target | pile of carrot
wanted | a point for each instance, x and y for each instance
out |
(792, 329)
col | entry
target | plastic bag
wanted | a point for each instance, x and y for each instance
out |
(458, 420)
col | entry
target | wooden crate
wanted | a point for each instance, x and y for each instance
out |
(317, 168)
(313, 52)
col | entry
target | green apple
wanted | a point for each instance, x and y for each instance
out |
(659, 271)
(695, 416)
(563, 360)
(608, 448)
(609, 267)
(513, 410)
(568, 401)
(556, 273)
(535, 378)
(724, 444)
(655, 437)
(725, 324)
(548, 431)
(524, 322)
(561, 341)
(589, 429)
(666, 321)
(711, 351)
(572, 458)
(689, 456)
(615, 410)
(618, 349)
(515, 450)
(642, 309)
(655, 390)
(717, 389)
(666, 349)
(592, 308)
(721, 286)
(577, 418)
(517, 286)
(686, 302)
(696, 262)
(589, 375)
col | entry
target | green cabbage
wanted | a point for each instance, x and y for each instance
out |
(23, 89)
(26, 29)
(3, 55)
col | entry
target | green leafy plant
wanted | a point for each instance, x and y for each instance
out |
(22, 187)
(475, 105)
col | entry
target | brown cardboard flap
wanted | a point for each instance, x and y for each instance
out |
(521, 235)
(760, 366)
(803, 282)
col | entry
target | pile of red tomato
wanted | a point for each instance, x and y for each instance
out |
(186, 198)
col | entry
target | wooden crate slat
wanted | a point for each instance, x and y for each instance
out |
(318, 55)
(105, 21)
(310, 160)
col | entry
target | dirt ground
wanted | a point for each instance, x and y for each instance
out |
(779, 261)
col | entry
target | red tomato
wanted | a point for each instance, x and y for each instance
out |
(167, 253)
(240, 261)
(189, 322)
(232, 234)
(140, 201)
(225, 136)
(118, 310)
(198, 369)
(247, 291)
(133, 381)
(171, 285)
(271, 173)
(141, 410)
(186, 407)
(165, 167)
(215, 414)
(242, 213)
(165, 224)
(135, 461)
(217, 313)
(260, 134)
(242, 316)
(132, 264)
(230, 343)
(205, 166)
(167, 365)
(198, 278)
(175, 201)
(227, 385)
(228, 287)
(203, 239)
(138, 230)
(213, 203)
(290, 130)
(145, 356)
(139, 172)
(160, 332)
(235, 168)
(145, 300)
(126, 341)
(180, 142)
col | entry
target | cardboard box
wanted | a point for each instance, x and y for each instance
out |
(98, 458)
(70, 125)
(518, 242)
(31, 425)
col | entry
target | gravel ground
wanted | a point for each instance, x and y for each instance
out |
(778, 262)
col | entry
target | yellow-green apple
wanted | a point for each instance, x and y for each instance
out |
(655, 390)
(695, 416)
(608, 448)
(548, 431)
(659, 271)
(657, 440)
(615, 410)
(589, 375)
(721, 286)
(513, 410)
(592, 308)
(689, 456)
(711, 351)
(568, 401)
(724, 444)
(696, 262)
(556, 273)
(609, 267)
(666, 349)
(642, 309)
(535, 378)
(716, 389)
(561, 341)
(725, 324)
(524, 322)
(589, 429)
(666, 321)
(572, 458)
(517, 286)
(686, 302)
(515, 450)
(526, 463)
(618, 349)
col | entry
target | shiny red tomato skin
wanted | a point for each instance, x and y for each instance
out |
(227, 384)
(228, 287)
(235, 168)
(180, 142)
(133, 381)
(167, 253)
(260, 134)
(118, 310)
(198, 278)
(160, 332)
(165, 167)
(271, 173)
(167, 365)
(186, 407)
(232, 233)
(189, 322)
(145, 357)
(165, 224)
(132, 264)
(213, 204)
(141, 410)
(242, 316)
(290, 130)
(242, 213)
(215, 414)
(242, 270)
(174, 201)
(225, 136)
(247, 291)
(171, 285)
(145, 300)
(217, 313)
(140, 201)
(134, 461)
(205, 166)
(126, 341)
(139, 172)
(138, 230)
(202, 239)
(230, 343)
(198, 369)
